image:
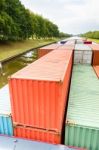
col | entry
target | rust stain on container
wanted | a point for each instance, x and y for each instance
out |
(96, 68)
(38, 135)
(45, 50)
(39, 91)
(95, 48)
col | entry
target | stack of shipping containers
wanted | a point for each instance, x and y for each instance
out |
(39, 96)
(82, 121)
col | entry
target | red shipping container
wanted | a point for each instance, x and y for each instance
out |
(39, 91)
(46, 49)
(95, 48)
(87, 42)
(38, 134)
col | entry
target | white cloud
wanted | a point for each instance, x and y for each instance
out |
(72, 16)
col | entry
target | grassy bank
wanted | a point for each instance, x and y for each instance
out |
(13, 48)
(94, 40)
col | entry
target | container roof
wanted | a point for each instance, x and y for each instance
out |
(82, 47)
(66, 47)
(95, 47)
(19, 144)
(83, 107)
(51, 67)
(5, 108)
(51, 46)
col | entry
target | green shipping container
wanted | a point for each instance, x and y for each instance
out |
(82, 121)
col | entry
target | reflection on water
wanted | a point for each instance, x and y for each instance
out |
(15, 65)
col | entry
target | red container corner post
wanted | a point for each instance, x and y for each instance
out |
(46, 49)
(39, 94)
(95, 48)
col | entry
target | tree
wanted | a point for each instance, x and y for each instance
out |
(18, 23)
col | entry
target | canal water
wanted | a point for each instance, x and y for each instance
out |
(16, 64)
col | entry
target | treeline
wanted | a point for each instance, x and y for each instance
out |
(18, 23)
(64, 35)
(90, 34)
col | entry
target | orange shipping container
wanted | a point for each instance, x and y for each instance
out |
(95, 48)
(38, 135)
(45, 50)
(39, 91)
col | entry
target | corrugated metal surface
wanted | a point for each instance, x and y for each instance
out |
(5, 112)
(70, 42)
(22, 144)
(45, 50)
(96, 68)
(95, 48)
(80, 41)
(66, 47)
(82, 54)
(38, 135)
(42, 52)
(82, 123)
(39, 91)
(82, 137)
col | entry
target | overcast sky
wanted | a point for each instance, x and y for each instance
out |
(71, 16)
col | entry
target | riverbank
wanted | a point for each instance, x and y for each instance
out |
(94, 40)
(12, 49)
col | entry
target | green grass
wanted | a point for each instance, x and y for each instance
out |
(13, 48)
(94, 40)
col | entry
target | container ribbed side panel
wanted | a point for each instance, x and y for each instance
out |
(82, 54)
(95, 58)
(82, 137)
(96, 69)
(65, 87)
(6, 125)
(46, 96)
(42, 52)
(38, 135)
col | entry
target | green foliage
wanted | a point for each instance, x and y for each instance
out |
(18, 23)
(61, 34)
(90, 34)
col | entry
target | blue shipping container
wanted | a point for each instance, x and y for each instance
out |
(19, 144)
(6, 126)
